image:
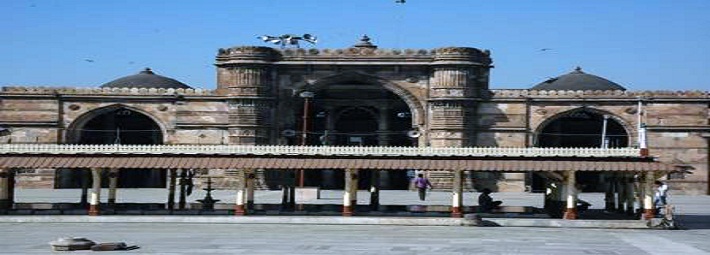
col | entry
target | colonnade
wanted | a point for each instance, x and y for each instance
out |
(621, 192)
(623, 184)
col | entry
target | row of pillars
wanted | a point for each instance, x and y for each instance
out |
(624, 188)
(245, 192)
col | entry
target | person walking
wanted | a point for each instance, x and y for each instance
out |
(422, 183)
(659, 198)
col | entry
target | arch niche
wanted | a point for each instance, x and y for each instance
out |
(582, 127)
(116, 124)
(354, 108)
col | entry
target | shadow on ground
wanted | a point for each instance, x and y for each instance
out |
(693, 221)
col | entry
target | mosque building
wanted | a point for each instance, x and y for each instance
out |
(361, 96)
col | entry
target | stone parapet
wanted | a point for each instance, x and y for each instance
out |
(254, 54)
(597, 94)
(18, 90)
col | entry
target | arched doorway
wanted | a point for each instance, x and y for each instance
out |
(116, 125)
(358, 113)
(581, 128)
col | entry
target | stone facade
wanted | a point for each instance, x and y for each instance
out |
(445, 91)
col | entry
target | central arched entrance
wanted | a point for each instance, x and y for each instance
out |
(581, 128)
(116, 125)
(358, 113)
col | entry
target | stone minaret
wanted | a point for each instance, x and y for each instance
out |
(459, 77)
(244, 76)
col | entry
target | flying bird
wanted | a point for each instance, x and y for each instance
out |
(89, 60)
(288, 39)
(545, 49)
(400, 1)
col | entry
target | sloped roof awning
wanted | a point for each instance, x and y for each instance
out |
(502, 164)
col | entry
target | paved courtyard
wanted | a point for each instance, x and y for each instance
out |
(32, 238)
(201, 238)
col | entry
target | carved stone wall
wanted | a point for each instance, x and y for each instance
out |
(447, 90)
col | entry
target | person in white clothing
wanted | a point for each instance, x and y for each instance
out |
(661, 195)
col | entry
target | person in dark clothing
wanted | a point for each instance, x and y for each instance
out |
(486, 203)
(422, 184)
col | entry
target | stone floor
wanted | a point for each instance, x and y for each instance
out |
(253, 239)
(155, 237)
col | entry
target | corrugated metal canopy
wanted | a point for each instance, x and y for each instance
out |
(503, 164)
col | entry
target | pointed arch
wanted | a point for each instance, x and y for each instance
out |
(415, 106)
(627, 129)
(73, 134)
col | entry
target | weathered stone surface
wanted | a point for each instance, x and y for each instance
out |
(446, 92)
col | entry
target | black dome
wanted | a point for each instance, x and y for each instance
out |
(578, 80)
(145, 79)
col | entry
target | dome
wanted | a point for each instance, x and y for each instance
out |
(578, 80)
(145, 79)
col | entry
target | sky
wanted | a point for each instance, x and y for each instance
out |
(639, 44)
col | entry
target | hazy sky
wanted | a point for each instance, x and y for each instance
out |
(642, 45)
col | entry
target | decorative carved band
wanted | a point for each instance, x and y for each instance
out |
(69, 149)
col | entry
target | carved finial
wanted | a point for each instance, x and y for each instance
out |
(147, 71)
(578, 69)
(365, 43)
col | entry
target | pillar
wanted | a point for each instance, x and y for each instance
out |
(620, 193)
(629, 195)
(648, 211)
(571, 208)
(350, 180)
(112, 184)
(354, 187)
(457, 195)
(11, 185)
(5, 189)
(374, 189)
(250, 178)
(94, 200)
(183, 195)
(171, 188)
(239, 208)
(638, 186)
(84, 186)
(609, 204)
(292, 189)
